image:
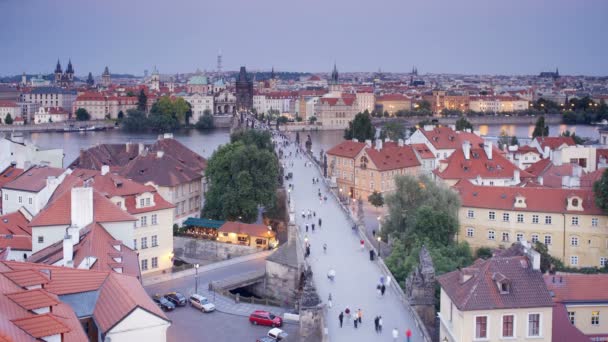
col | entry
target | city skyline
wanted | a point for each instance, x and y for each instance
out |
(471, 37)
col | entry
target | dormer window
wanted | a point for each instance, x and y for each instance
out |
(575, 203)
(504, 288)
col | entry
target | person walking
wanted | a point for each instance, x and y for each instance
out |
(359, 315)
(341, 318)
(376, 323)
(380, 324)
(319, 222)
(329, 303)
(313, 227)
(379, 289)
(382, 289)
(362, 244)
(307, 227)
(355, 322)
(395, 334)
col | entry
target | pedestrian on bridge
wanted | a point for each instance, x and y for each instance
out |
(395, 334)
(319, 222)
(341, 318)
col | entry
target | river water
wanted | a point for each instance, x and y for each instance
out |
(205, 142)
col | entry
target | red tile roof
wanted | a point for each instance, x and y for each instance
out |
(391, 97)
(33, 299)
(259, 230)
(6, 103)
(9, 174)
(15, 232)
(554, 142)
(423, 151)
(39, 326)
(392, 157)
(446, 138)
(573, 288)
(346, 149)
(480, 292)
(33, 179)
(550, 200)
(26, 277)
(539, 167)
(166, 170)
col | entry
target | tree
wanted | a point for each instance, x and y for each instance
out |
(360, 128)
(547, 262)
(600, 189)
(130, 93)
(120, 116)
(484, 253)
(503, 139)
(312, 120)
(241, 178)
(394, 130)
(260, 139)
(205, 121)
(462, 124)
(281, 120)
(577, 140)
(376, 199)
(135, 121)
(435, 225)
(514, 141)
(82, 115)
(142, 101)
(540, 129)
(8, 119)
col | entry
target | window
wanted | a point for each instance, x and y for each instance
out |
(534, 238)
(470, 214)
(507, 325)
(154, 219)
(575, 220)
(533, 325)
(492, 215)
(260, 241)
(574, 241)
(144, 242)
(547, 219)
(481, 327)
(134, 243)
(155, 262)
(535, 219)
(490, 235)
(6, 197)
(505, 237)
(574, 260)
(603, 261)
(154, 240)
(143, 221)
(30, 201)
(41, 239)
(119, 203)
(520, 237)
(20, 199)
(571, 315)
(547, 240)
(144, 265)
(147, 201)
(520, 218)
(505, 217)
(141, 202)
(470, 232)
(595, 318)
(594, 222)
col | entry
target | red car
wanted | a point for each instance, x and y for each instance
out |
(260, 317)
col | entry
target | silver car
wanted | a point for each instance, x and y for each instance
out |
(201, 303)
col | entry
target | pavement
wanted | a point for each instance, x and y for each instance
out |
(230, 320)
(356, 276)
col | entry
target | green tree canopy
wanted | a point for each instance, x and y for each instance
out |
(135, 121)
(241, 177)
(82, 115)
(260, 139)
(142, 101)
(360, 128)
(376, 199)
(120, 116)
(540, 129)
(462, 124)
(394, 130)
(205, 121)
(281, 120)
(578, 140)
(600, 189)
(8, 119)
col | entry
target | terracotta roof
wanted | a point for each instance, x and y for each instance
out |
(58, 211)
(527, 149)
(423, 151)
(6, 103)
(539, 167)
(33, 179)
(333, 101)
(163, 171)
(391, 97)
(446, 138)
(347, 149)
(26, 277)
(571, 288)
(245, 228)
(589, 178)
(33, 299)
(562, 328)
(548, 200)
(39, 326)
(392, 157)
(554, 142)
(9, 174)
(481, 292)
(15, 232)
(95, 241)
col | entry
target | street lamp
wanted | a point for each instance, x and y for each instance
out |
(289, 195)
(196, 278)
(379, 246)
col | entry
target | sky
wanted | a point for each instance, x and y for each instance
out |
(507, 37)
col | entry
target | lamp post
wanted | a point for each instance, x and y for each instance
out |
(379, 246)
(289, 195)
(196, 278)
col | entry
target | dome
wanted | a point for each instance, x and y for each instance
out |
(219, 83)
(198, 80)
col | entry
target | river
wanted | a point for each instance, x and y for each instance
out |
(205, 142)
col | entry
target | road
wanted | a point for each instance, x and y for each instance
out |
(356, 275)
(192, 325)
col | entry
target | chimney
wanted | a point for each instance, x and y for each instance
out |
(487, 146)
(104, 170)
(355, 140)
(378, 144)
(368, 143)
(540, 180)
(141, 148)
(466, 149)
(428, 127)
(68, 251)
(82, 207)
(400, 142)
(168, 136)
(127, 146)
(546, 153)
(516, 178)
(160, 154)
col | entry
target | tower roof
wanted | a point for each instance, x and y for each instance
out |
(334, 75)
(58, 67)
(106, 71)
(243, 75)
(69, 70)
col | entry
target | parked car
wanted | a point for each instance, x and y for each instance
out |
(201, 303)
(177, 298)
(277, 334)
(163, 303)
(260, 317)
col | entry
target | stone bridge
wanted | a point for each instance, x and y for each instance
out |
(238, 281)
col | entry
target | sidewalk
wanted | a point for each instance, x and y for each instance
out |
(155, 279)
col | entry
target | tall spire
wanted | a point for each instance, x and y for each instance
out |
(334, 74)
(58, 67)
(272, 75)
(69, 70)
(219, 61)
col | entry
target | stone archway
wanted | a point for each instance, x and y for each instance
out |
(226, 109)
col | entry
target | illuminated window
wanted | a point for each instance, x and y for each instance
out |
(595, 318)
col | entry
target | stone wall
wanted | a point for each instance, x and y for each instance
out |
(222, 121)
(281, 283)
(193, 250)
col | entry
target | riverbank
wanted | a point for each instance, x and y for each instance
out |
(554, 119)
(66, 126)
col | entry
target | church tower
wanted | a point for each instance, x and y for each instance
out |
(334, 82)
(69, 72)
(155, 80)
(106, 79)
(23, 79)
(58, 72)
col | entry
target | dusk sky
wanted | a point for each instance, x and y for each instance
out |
(438, 36)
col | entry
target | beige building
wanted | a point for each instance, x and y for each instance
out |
(359, 169)
(567, 221)
(50, 114)
(100, 106)
(497, 104)
(503, 298)
(334, 113)
(9, 107)
(392, 103)
(252, 235)
(366, 100)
